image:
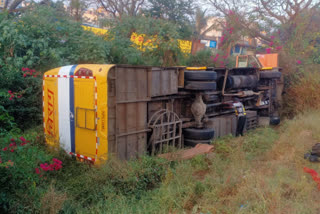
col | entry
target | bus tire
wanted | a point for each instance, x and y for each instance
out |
(200, 85)
(198, 134)
(200, 75)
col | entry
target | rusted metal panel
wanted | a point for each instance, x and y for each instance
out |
(128, 97)
(130, 106)
(181, 77)
(155, 106)
(131, 84)
(112, 147)
(223, 125)
(164, 81)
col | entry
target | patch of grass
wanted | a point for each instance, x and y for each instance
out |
(303, 93)
(261, 172)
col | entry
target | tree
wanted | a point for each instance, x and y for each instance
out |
(120, 8)
(201, 23)
(14, 6)
(173, 10)
(178, 12)
(77, 8)
(257, 16)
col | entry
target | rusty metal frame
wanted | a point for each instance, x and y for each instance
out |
(167, 128)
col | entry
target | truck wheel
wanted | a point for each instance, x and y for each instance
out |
(200, 75)
(200, 85)
(198, 134)
(270, 74)
(274, 121)
(190, 142)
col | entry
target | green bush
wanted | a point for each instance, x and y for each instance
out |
(165, 53)
(40, 39)
(86, 187)
(7, 122)
(201, 58)
(20, 186)
(210, 58)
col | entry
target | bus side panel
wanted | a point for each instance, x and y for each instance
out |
(102, 127)
(84, 104)
(50, 110)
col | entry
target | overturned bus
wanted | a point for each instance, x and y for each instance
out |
(94, 111)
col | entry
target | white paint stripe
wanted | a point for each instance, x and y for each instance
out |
(81, 156)
(43, 106)
(68, 76)
(96, 115)
(64, 109)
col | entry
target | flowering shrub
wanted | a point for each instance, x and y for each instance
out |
(14, 94)
(30, 72)
(56, 165)
(18, 157)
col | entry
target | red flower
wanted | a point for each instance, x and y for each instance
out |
(5, 149)
(37, 170)
(24, 75)
(271, 44)
(19, 96)
(216, 58)
(22, 139)
(22, 144)
(12, 139)
(10, 98)
(272, 37)
(279, 48)
(230, 12)
(268, 50)
(299, 62)
(12, 150)
(10, 92)
(222, 38)
(57, 161)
